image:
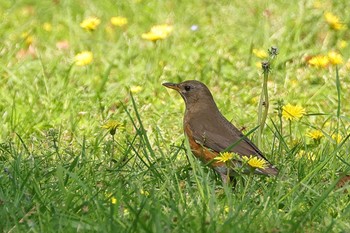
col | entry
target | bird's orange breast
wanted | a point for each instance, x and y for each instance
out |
(200, 151)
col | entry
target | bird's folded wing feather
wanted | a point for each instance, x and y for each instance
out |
(221, 137)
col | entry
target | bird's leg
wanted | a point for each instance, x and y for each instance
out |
(225, 178)
(229, 180)
(234, 182)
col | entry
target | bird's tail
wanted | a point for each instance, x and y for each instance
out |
(270, 171)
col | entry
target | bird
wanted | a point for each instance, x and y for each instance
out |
(210, 134)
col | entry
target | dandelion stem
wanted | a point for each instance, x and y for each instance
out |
(228, 173)
(264, 102)
(290, 131)
(264, 98)
(112, 154)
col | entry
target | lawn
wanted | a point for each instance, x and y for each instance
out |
(92, 142)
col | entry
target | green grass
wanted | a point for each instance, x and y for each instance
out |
(60, 169)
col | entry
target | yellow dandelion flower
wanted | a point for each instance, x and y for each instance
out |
(84, 58)
(119, 21)
(145, 193)
(260, 53)
(319, 61)
(158, 32)
(136, 89)
(315, 134)
(334, 21)
(342, 44)
(162, 29)
(335, 58)
(255, 162)
(47, 27)
(226, 209)
(292, 112)
(28, 39)
(151, 36)
(337, 137)
(112, 126)
(90, 24)
(113, 200)
(224, 157)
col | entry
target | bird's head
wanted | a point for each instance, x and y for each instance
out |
(192, 92)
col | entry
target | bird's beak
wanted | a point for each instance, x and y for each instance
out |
(174, 86)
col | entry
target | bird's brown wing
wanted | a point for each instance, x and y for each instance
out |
(219, 134)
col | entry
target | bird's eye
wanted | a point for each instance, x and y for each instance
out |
(187, 88)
